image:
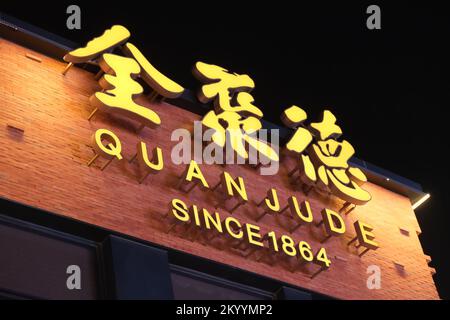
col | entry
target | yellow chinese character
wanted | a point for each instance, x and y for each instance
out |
(120, 89)
(155, 79)
(234, 116)
(111, 38)
(119, 83)
(324, 160)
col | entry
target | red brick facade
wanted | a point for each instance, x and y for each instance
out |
(45, 166)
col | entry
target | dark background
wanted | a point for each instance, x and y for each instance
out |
(388, 88)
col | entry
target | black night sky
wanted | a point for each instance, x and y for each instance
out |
(388, 88)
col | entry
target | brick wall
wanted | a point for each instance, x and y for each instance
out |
(45, 166)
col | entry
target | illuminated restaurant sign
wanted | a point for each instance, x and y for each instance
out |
(234, 123)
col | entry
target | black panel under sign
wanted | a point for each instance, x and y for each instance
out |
(287, 293)
(34, 262)
(138, 271)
